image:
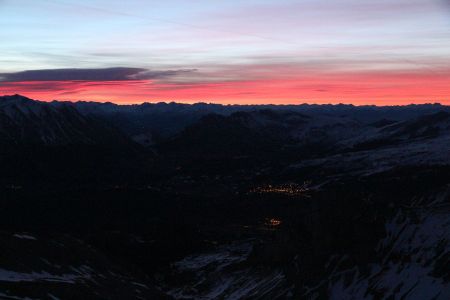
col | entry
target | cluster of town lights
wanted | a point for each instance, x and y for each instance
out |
(291, 189)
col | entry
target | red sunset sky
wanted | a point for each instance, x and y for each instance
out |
(261, 51)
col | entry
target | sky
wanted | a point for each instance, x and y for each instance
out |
(384, 52)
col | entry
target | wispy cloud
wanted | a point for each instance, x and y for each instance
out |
(105, 74)
(227, 51)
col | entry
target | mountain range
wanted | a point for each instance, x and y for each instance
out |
(207, 201)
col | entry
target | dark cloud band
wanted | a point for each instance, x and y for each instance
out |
(107, 74)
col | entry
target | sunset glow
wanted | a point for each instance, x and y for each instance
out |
(280, 52)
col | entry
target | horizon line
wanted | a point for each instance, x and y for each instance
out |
(225, 104)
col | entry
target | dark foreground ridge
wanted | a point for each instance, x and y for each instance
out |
(173, 201)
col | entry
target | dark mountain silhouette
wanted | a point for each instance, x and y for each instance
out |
(241, 133)
(163, 120)
(174, 201)
(39, 142)
(25, 121)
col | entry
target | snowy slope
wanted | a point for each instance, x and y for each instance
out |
(25, 121)
(413, 260)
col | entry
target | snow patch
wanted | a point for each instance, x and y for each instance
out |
(25, 237)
